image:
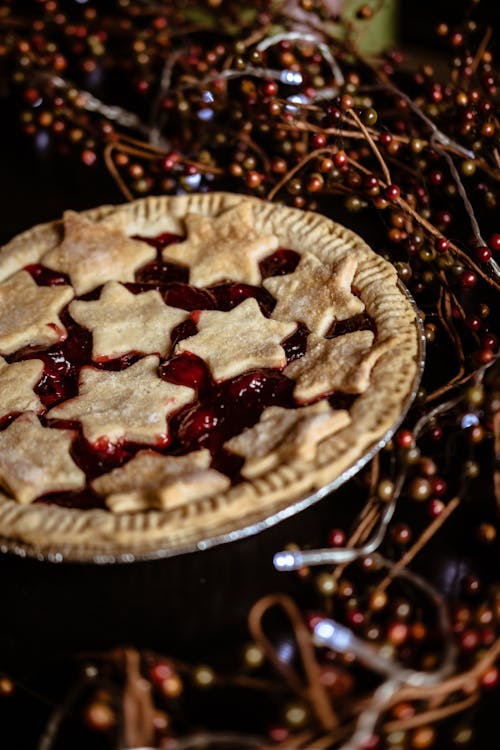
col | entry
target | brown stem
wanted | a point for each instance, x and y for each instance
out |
(452, 684)
(431, 716)
(436, 233)
(297, 168)
(425, 537)
(445, 317)
(364, 129)
(482, 48)
(115, 174)
(313, 691)
(138, 706)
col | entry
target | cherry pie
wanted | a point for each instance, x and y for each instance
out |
(178, 368)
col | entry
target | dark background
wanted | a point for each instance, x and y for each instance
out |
(417, 20)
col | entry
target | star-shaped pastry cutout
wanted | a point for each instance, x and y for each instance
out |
(284, 435)
(92, 253)
(239, 340)
(36, 460)
(150, 480)
(29, 314)
(16, 386)
(123, 322)
(340, 364)
(132, 404)
(315, 294)
(227, 247)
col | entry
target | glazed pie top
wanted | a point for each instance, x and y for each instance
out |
(178, 368)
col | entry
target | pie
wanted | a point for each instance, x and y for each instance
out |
(177, 369)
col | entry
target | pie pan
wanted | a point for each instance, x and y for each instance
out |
(58, 534)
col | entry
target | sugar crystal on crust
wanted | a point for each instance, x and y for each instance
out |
(123, 322)
(29, 314)
(226, 247)
(341, 364)
(151, 480)
(315, 293)
(92, 253)
(283, 435)
(239, 340)
(132, 404)
(17, 381)
(36, 460)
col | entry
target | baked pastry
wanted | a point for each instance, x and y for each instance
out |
(175, 369)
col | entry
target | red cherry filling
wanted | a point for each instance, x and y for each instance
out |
(189, 297)
(99, 458)
(296, 344)
(45, 276)
(361, 322)
(197, 428)
(342, 400)
(161, 240)
(183, 331)
(231, 295)
(7, 419)
(279, 263)
(62, 364)
(158, 272)
(84, 500)
(188, 370)
(229, 407)
(118, 363)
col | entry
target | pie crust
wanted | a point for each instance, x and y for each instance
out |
(313, 444)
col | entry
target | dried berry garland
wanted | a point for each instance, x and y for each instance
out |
(280, 103)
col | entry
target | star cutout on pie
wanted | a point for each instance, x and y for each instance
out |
(132, 404)
(92, 253)
(283, 435)
(123, 322)
(239, 340)
(150, 480)
(36, 460)
(29, 314)
(16, 386)
(227, 247)
(316, 294)
(340, 364)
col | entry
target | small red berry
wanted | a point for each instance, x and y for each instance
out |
(340, 159)
(473, 322)
(494, 242)
(438, 486)
(270, 88)
(355, 618)
(392, 192)
(469, 640)
(89, 157)
(468, 279)
(160, 671)
(405, 439)
(442, 245)
(336, 538)
(436, 177)
(319, 140)
(490, 678)
(436, 507)
(489, 341)
(483, 254)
